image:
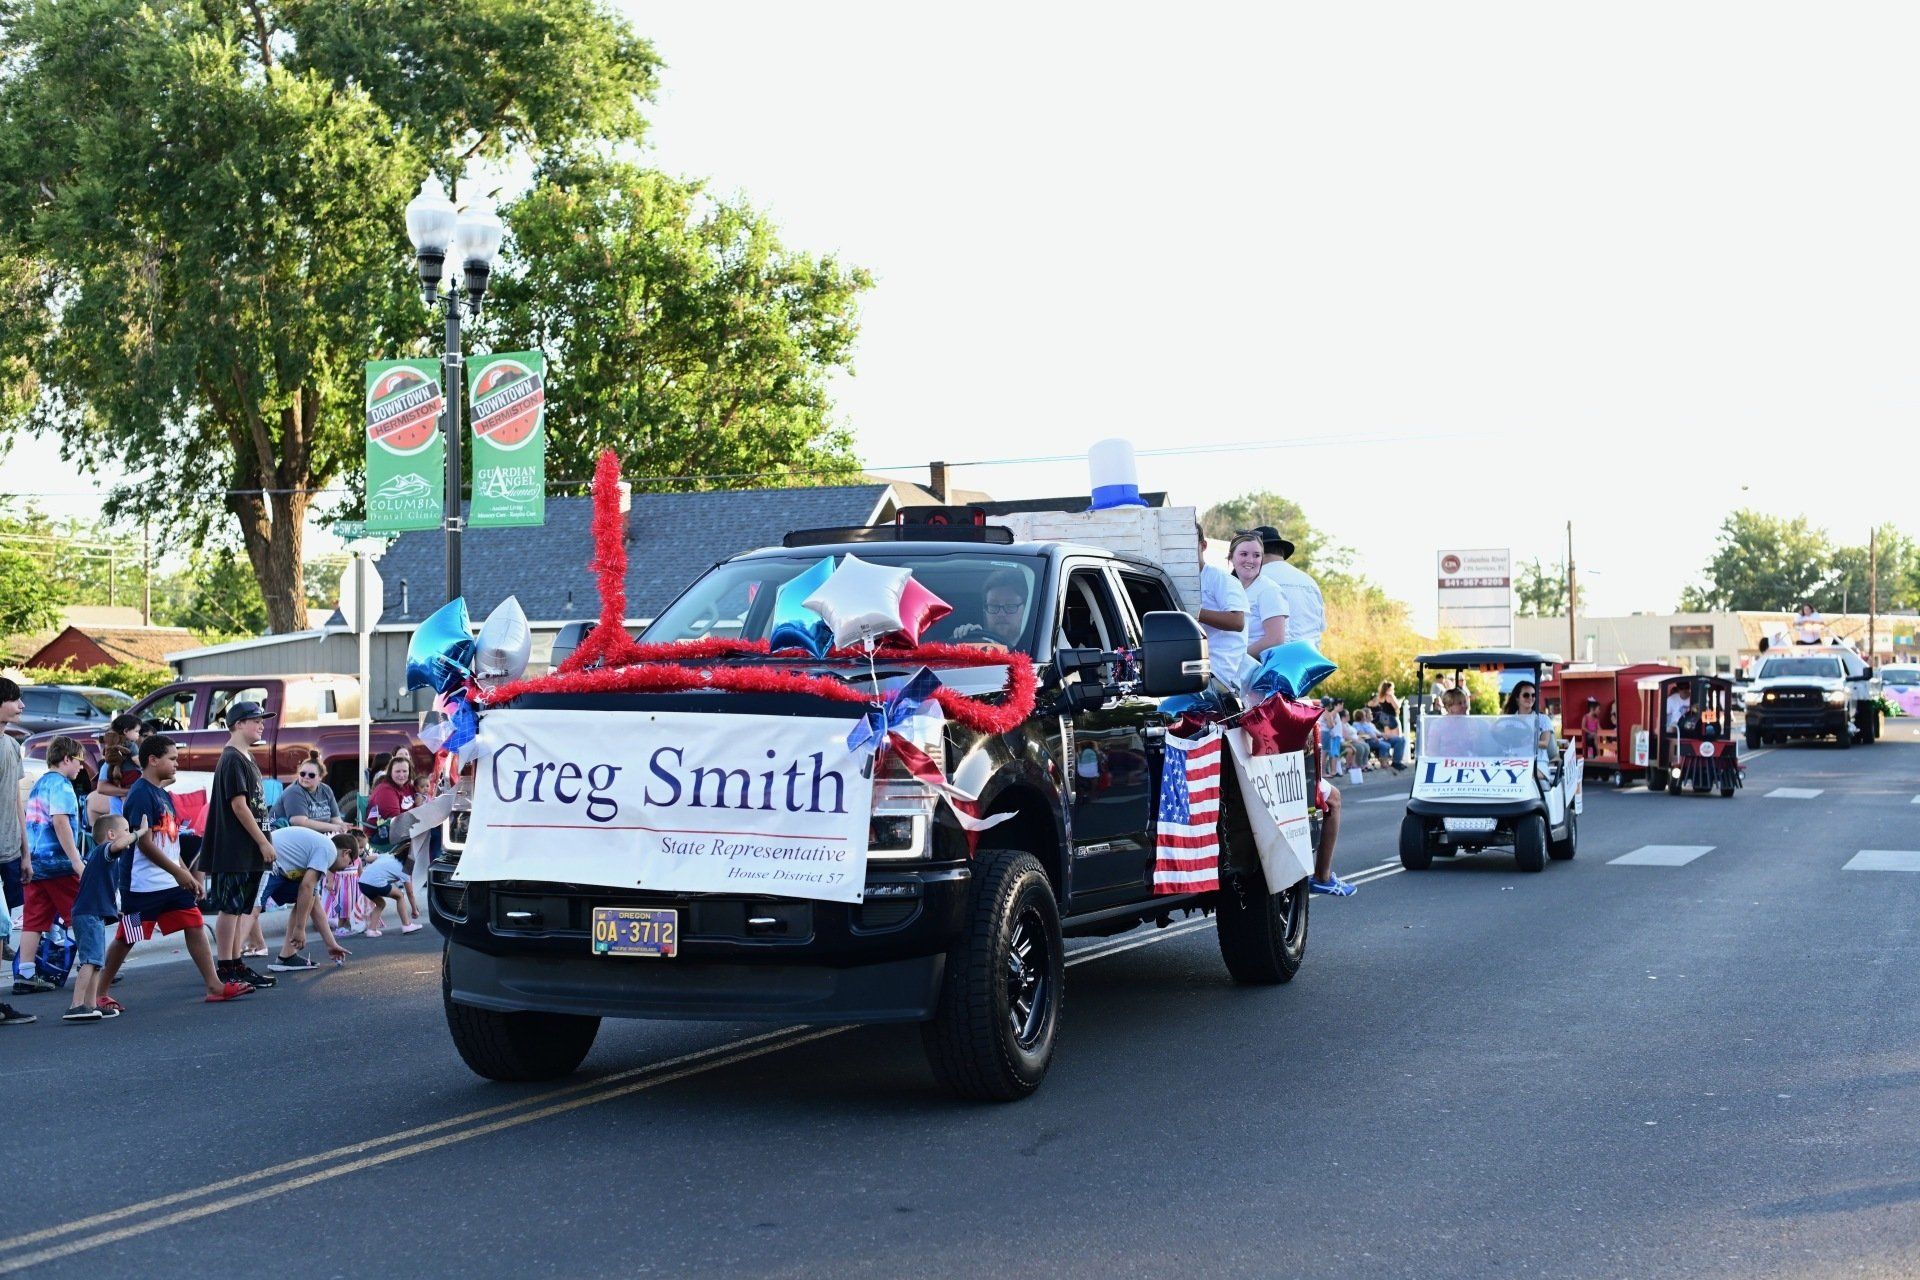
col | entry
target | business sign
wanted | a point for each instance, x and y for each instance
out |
(671, 801)
(1282, 830)
(1476, 596)
(406, 452)
(508, 397)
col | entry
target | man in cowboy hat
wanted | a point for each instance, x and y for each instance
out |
(1306, 608)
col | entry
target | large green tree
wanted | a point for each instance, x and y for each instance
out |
(1311, 548)
(1763, 562)
(1894, 561)
(1540, 590)
(201, 232)
(677, 328)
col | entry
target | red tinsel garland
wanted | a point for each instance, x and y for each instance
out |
(610, 661)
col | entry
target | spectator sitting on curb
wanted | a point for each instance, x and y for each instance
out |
(310, 802)
(161, 894)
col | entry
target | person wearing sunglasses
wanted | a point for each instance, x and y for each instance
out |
(1523, 702)
(310, 803)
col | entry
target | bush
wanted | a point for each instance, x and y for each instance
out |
(135, 679)
(1369, 637)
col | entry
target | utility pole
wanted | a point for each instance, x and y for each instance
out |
(1573, 648)
(146, 570)
(1873, 587)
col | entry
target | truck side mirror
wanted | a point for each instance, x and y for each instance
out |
(1173, 655)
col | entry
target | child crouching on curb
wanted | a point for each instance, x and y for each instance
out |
(386, 878)
(94, 907)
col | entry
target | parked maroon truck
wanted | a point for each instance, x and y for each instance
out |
(311, 713)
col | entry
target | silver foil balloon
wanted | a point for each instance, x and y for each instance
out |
(860, 601)
(504, 644)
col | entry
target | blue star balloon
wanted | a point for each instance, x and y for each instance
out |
(1291, 669)
(794, 625)
(440, 655)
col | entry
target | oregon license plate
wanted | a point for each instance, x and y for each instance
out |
(636, 931)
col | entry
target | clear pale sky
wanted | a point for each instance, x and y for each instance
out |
(1485, 268)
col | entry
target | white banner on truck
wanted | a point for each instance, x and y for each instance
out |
(670, 801)
(1275, 788)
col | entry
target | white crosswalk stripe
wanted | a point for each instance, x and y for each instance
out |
(1661, 855)
(1794, 793)
(1884, 860)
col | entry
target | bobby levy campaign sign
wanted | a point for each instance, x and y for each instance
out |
(671, 801)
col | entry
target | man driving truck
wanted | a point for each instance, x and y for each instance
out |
(1005, 607)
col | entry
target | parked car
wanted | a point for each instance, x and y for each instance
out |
(61, 706)
(311, 713)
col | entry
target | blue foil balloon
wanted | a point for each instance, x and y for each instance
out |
(1291, 670)
(440, 655)
(794, 625)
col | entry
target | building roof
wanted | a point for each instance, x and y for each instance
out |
(147, 645)
(673, 538)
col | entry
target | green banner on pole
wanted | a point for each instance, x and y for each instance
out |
(507, 396)
(406, 451)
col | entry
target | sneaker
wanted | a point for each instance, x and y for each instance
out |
(415, 927)
(232, 991)
(292, 964)
(33, 986)
(245, 974)
(12, 1017)
(80, 1013)
(375, 933)
(1334, 888)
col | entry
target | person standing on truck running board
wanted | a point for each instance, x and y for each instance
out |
(1222, 615)
(1306, 608)
(236, 849)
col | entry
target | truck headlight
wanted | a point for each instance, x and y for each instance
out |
(1838, 698)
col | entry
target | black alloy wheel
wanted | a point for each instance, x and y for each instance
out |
(1031, 979)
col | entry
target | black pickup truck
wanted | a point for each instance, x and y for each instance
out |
(969, 944)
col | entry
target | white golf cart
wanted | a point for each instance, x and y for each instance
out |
(1483, 781)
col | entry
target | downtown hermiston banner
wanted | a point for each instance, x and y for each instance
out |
(406, 452)
(508, 401)
(671, 801)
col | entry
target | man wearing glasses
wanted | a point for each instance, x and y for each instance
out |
(1005, 610)
(310, 803)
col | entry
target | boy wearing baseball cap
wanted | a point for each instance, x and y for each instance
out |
(236, 850)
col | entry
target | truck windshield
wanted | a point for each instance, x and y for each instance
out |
(993, 596)
(1801, 668)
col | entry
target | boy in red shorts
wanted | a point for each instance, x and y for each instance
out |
(52, 869)
(161, 893)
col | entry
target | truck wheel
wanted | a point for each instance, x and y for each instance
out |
(1844, 738)
(1263, 936)
(992, 1033)
(1753, 737)
(516, 1047)
(1530, 842)
(1414, 853)
(1563, 850)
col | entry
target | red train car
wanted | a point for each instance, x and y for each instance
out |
(1619, 749)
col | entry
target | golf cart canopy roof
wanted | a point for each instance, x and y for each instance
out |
(1495, 659)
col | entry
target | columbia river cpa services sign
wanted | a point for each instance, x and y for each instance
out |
(1476, 595)
(671, 801)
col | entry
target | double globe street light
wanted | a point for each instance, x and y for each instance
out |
(442, 237)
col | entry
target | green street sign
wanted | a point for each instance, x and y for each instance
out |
(349, 530)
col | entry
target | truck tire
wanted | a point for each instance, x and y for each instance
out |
(1263, 936)
(1753, 737)
(1844, 738)
(1530, 842)
(515, 1047)
(1563, 850)
(992, 1033)
(1414, 853)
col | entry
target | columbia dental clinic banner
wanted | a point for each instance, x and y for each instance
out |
(670, 800)
(406, 452)
(508, 401)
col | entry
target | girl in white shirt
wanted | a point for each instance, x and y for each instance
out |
(1266, 607)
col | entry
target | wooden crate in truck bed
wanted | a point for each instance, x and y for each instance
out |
(1163, 535)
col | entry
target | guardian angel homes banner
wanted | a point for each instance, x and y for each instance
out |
(406, 452)
(509, 406)
(1476, 596)
(674, 801)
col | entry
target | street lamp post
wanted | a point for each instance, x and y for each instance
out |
(442, 236)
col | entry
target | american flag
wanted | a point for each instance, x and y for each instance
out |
(1187, 837)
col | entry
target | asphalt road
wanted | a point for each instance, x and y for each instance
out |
(1708, 1069)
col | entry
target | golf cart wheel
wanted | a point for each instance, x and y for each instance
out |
(1562, 850)
(992, 1034)
(1530, 842)
(1414, 853)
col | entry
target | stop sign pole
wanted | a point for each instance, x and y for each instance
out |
(361, 603)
